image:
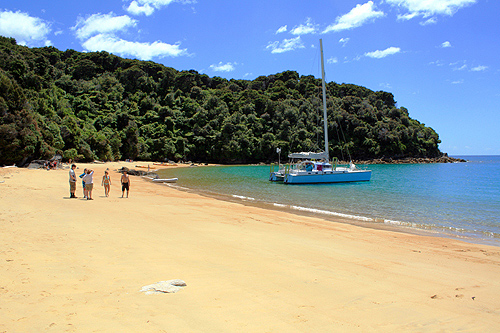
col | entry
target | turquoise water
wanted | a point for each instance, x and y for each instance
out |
(457, 199)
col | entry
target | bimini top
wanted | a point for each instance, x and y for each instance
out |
(309, 155)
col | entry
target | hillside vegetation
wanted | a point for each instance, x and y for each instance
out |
(88, 106)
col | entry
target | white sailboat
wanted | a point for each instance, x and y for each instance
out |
(316, 168)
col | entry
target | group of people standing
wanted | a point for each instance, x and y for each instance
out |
(88, 182)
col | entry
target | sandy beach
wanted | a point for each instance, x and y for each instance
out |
(78, 265)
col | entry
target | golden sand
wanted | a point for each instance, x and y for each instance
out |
(78, 265)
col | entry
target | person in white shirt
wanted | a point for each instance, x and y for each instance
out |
(89, 183)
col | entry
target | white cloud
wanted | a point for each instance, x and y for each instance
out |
(332, 60)
(458, 65)
(343, 41)
(281, 29)
(383, 53)
(407, 16)
(220, 67)
(142, 51)
(479, 68)
(358, 16)
(457, 82)
(432, 20)
(304, 29)
(286, 45)
(99, 32)
(446, 44)
(438, 63)
(136, 9)
(429, 8)
(147, 7)
(386, 86)
(102, 24)
(27, 30)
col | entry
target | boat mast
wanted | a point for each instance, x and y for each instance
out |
(324, 100)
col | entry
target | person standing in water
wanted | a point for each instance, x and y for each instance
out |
(125, 180)
(106, 182)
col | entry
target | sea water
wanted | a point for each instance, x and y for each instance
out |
(454, 199)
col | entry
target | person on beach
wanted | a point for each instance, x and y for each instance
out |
(72, 181)
(106, 182)
(89, 183)
(82, 176)
(125, 180)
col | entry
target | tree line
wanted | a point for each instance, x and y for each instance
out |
(98, 106)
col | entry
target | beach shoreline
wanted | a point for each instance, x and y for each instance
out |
(426, 227)
(78, 265)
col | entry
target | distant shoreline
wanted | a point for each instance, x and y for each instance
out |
(35, 164)
(413, 160)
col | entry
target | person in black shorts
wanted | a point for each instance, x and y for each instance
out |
(125, 180)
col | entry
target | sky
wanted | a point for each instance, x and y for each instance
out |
(439, 58)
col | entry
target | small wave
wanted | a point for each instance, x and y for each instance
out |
(178, 187)
(400, 223)
(326, 212)
(242, 197)
(457, 232)
(410, 225)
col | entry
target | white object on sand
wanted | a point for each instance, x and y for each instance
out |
(162, 180)
(170, 286)
(166, 180)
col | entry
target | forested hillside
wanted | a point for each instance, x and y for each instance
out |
(88, 106)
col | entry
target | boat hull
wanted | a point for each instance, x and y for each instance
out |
(327, 177)
(276, 177)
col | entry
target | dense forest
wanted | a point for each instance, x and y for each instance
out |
(98, 106)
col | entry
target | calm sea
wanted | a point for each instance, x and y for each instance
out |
(458, 199)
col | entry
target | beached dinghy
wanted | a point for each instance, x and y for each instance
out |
(165, 180)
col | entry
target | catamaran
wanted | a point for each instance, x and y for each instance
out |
(315, 168)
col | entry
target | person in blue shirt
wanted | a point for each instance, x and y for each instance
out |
(83, 183)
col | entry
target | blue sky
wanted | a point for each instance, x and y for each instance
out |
(440, 58)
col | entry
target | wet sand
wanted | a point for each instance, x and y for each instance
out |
(79, 265)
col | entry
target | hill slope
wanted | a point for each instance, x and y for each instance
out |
(96, 105)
